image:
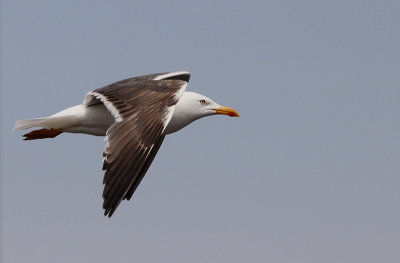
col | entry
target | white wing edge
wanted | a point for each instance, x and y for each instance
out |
(171, 109)
(110, 107)
(171, 74)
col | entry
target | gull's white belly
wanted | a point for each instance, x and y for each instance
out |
(94, 119)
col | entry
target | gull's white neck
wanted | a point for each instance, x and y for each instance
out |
(187, 110)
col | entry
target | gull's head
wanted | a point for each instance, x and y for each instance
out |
(192, 106)
(200, 106)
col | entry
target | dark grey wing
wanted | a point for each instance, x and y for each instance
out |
(142, 111)
(177, 75)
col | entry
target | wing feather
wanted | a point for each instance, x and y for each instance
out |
(143, 106)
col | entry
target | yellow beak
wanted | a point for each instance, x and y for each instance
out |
(227, 111)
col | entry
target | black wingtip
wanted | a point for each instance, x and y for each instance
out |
(109, 212)
(184, 76)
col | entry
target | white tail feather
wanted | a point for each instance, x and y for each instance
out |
(52, 122)
(30, 123)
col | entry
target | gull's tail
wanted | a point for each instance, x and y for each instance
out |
(49, 123)
(30, 123)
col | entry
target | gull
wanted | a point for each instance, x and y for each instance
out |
(135, 115)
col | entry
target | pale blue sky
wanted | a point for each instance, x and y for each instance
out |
(308, 173)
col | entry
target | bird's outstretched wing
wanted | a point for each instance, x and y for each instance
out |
(142, 108)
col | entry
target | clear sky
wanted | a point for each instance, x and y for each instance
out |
(308, 173)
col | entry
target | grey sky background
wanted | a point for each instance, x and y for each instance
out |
(308, 173)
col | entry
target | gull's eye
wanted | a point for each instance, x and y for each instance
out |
(202, 102)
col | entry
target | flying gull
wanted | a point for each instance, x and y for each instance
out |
(134, 114)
